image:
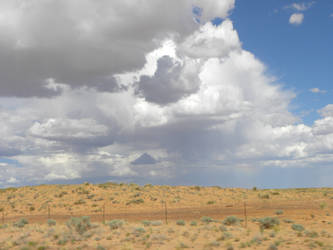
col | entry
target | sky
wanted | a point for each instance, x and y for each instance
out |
(233, 93)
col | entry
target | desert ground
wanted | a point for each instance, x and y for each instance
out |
(129, 216)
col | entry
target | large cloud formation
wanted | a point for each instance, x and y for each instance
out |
(134, 78)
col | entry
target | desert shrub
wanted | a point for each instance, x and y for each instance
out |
(288, 221)
(146, 223)
(21, 223)
(254, 188)
(225, 236)
(231, 220)
(279, 212)
(32, 208)
(268, 222)
(210, 202)
(136, 195)
(256, 240)
(156, 223)
(90, 196)
(180, 222)
(214, 244)
(230, 247)
(51, 222)
(137, 201)
(263, 196)
(323, 205)
(206, 219)
(193, 223)
(138, 231)
(311, 234)
(79, 202)
(272, 247)
(79, 224)
(297, 227)
(115, 224)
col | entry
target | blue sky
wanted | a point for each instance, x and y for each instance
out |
(154, 92)
(301, 56)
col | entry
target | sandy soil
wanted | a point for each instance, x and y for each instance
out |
(133, 204)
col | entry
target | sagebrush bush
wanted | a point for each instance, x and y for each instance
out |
(137, 201)
(180, 222)
(288, 221)
(79, 224)
(279, 212)
(193, 223)
(206, 219)
(297, 227)
(263, 196)
(146, 223)
(51, 222)
(231, 220)
(268, 222)
(115, 224)
(21, 223)
(156, 223)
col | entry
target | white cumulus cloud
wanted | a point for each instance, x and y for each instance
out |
(296, 18)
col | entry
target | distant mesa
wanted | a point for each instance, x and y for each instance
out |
(144, 159)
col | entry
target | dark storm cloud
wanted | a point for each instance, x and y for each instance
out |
(8, 152)
(170, 82)
(144, 159)
(81, 43)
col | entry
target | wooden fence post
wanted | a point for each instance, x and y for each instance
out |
(245, 214)
(104, 213)
(166, 212)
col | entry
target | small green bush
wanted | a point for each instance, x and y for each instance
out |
(193, 223)
(137, 201)
(272, 247)
(279, 212)
(268, 222)
(180, 222)
(79, 224)
(146, 223)
(263, 196)
(206, 219)
(51, 222)
(21, 223)
(297, 227)
(311, 234)
(156, 223)
(138, 231)
(231, 220)
(115, 224)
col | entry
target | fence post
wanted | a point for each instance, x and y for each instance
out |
(166, 212)
(245, 214)
(104, 213)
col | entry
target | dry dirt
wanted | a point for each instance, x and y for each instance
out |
(165, 206)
